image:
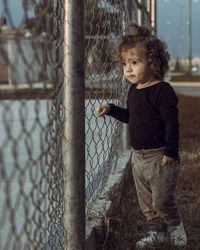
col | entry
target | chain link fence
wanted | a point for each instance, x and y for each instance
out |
(105, 23)
(32, 114)
(32, 118)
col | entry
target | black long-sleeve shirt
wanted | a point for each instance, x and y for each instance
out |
(152, 115)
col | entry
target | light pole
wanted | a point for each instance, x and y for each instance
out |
(180, 33)
(190, 37)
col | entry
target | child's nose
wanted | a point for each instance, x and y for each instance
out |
(128, 67)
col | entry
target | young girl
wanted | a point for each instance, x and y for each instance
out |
(152, 115)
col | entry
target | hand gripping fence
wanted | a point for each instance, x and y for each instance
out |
(57, 65)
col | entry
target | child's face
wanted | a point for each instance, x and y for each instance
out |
(135, 66)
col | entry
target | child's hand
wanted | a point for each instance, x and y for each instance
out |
(103, 110)
(166, 160)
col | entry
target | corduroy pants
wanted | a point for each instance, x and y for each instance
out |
(156, 188)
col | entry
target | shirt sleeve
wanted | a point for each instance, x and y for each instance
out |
(121, 114)
(167, 102)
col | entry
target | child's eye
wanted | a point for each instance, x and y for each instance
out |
(124, 64)
(134, 62)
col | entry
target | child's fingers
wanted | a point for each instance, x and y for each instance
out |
(99, 110)
(102, 110)
(167, 160)
(102, 114)
(163, 162)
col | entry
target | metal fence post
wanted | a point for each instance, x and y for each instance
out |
(125, 138)
(74, 146)
(125, 132)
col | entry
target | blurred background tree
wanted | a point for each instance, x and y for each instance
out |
(103, 23)
(43, 21)
(102, 30)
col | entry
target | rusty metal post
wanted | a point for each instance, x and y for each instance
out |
(74, 146)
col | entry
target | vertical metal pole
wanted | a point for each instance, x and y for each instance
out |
(190, 36)
(139, 14)
(124, 134)
(153, 15)
(125, 138)
(74, 147)
(142, 13)
(181, 34)
(130, 10)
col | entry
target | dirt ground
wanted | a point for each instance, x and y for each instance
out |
(124, 224)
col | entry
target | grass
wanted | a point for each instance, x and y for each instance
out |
(127, 224)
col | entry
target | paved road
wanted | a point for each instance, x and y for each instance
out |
(187, 88)
(191, 91)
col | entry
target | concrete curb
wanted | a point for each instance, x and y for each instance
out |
(94, 231)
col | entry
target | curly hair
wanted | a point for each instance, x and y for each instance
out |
(156, 50)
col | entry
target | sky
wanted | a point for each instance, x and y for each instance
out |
(173, 26)
(15, 11)
(172, 23)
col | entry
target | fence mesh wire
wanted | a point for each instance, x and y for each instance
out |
(104, 24)
(32, 115)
